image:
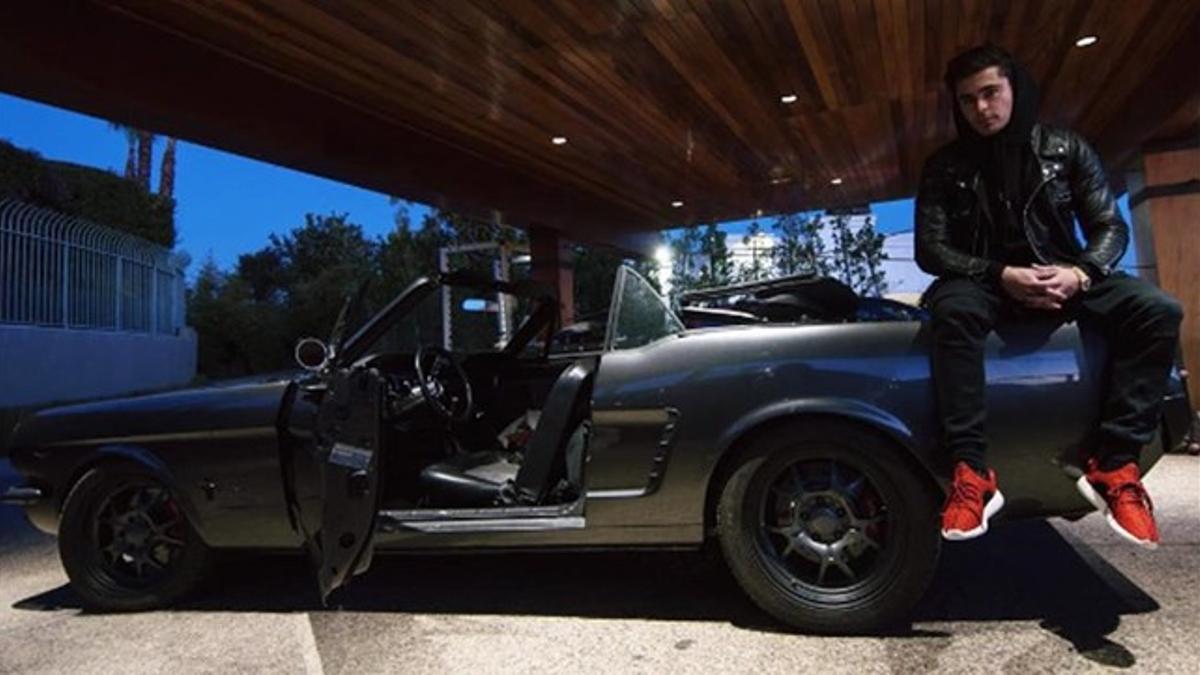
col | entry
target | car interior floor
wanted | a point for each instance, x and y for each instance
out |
(509, 396)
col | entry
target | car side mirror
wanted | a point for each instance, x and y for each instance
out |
(311, 354)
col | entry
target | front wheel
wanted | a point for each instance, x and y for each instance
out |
(828, 528)
(125, 543)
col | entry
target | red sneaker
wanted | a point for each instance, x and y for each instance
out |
(1120, 496)
(972, 502)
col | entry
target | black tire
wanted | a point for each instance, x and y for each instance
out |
(107, 511)
(891, 523)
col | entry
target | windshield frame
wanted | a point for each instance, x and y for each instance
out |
(359, 343)
(374, 328)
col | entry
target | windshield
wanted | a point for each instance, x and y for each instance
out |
(639, 314)
(462, 320)
(459, 318)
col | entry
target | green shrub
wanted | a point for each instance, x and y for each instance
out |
(99, 196)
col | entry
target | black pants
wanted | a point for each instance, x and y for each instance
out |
(1139, 321)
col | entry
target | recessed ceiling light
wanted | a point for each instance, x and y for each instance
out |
(836, 181)
(1087, 41)
(676, 204)
(788, 98)
(559, 140)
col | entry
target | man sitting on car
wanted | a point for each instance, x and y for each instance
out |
(995, 216)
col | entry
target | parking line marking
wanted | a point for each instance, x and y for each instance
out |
(308, 645)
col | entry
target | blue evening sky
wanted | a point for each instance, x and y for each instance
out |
(228, 205)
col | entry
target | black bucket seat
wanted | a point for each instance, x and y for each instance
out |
(553, 454)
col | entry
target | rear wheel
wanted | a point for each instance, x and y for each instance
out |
(828, 528)
(125, 543)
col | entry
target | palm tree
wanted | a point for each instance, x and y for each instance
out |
(140, 158)
(145, 157)
(166, 176)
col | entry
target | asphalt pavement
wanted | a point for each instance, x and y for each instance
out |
(1030, 597)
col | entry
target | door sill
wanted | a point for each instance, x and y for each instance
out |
(498, 519)
(460, 526)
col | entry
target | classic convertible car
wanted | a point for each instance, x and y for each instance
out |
(807, 452)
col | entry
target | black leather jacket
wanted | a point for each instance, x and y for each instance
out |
(953, 219)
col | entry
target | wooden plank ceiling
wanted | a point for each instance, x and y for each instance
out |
(663, 101)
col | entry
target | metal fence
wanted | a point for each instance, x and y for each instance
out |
(56, 270)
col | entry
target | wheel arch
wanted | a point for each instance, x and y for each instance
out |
(736, 443)
(141, 458)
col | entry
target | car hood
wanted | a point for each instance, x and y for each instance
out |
(221, 406)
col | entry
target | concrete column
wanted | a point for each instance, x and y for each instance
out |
(1165, 201)
(553, 264)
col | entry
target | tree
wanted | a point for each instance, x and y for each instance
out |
(869, 248)
(294, 287)
(265, 275)
(685, 259)
(699, 258)
(799, 247)
(760, 266)
(718, 266)
(406, 254)
(324, 244)
(166, 175)
(145, 157)
(215, 313)
(139, 159)
(248, 319)
(843, 250)
(324, 260)
(858, 256)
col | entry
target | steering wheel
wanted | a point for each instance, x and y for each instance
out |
(444, 384)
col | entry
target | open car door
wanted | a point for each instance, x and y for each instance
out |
(343, 474)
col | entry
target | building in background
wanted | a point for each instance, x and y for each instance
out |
(906, 281)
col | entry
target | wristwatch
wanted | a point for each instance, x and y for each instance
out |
(1085, 282)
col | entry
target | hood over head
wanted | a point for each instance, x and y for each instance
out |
(1026, 101)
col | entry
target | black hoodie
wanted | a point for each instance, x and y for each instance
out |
(1004, 159)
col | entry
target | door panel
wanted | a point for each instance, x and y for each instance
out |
(345, 463)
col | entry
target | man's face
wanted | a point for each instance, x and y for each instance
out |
(985, 99)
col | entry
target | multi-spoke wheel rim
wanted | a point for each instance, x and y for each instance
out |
(823, 527)
(139, 534)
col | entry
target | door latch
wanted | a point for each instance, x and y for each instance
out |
(358, 484)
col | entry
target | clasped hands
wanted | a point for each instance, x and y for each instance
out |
(1040, 286)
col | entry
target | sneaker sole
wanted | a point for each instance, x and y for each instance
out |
(992, 508)
(1089, 493)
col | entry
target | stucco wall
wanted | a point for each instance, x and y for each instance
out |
(44, 365)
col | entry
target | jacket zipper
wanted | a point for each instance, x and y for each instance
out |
(975, 250)
(1047, 177)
